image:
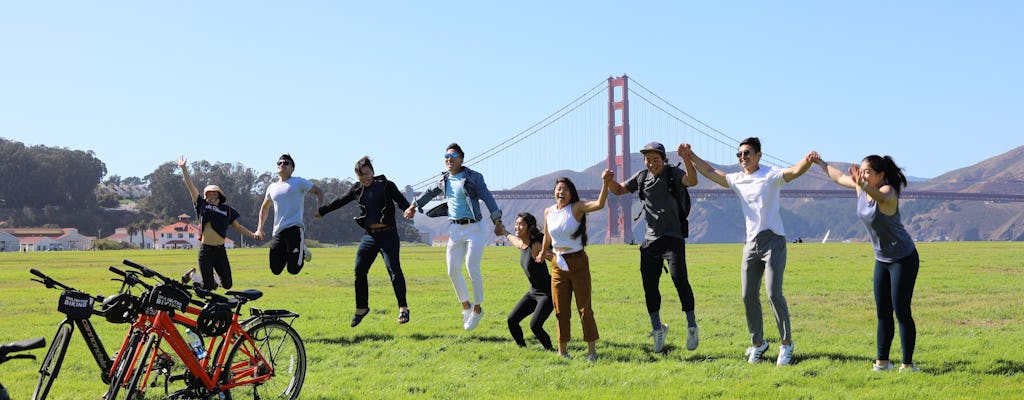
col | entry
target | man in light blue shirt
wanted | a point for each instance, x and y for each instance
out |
(463, 188)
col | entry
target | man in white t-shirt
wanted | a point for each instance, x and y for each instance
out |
(758, 190)
(287, 247)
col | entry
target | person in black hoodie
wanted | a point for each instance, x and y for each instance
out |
(376, 196)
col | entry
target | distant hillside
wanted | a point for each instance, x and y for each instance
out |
(720, 221)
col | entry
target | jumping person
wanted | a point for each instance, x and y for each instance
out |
(878, 182)
(288, 246)
(463, 188)
(663, 197)
(377, 197)
(565, 232)
(214, 218)
(758, 190)
(537, 300)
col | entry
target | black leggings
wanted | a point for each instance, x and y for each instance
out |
(894, 289)
(652, 258)
(539, 304)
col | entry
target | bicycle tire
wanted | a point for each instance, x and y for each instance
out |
(124, 384)
(280, 344)
(50, 367)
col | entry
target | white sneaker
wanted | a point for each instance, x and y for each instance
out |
(754, 352)
(465, 316)
(881, 368)
(911, 368)
(785, 354)
(659, 338)
(692, 338)
(474, 320)
(306, 255)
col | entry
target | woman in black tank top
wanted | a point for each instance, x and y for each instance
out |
(537, 300)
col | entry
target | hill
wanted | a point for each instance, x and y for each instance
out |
(720, 220)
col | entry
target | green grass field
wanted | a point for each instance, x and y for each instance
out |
(967, 305)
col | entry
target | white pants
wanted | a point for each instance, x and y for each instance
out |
(466, 241)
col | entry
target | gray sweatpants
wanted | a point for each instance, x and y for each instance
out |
(766, 251)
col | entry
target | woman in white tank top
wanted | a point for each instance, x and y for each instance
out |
(565, 233)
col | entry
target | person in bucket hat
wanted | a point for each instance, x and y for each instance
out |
(214, 218)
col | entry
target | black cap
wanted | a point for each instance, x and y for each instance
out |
(654, 146)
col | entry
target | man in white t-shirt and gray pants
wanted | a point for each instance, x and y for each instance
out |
(758, 190)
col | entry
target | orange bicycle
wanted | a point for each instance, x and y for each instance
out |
(262, 356)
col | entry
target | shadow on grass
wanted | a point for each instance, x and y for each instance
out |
(366, 337)
(1001, 367)
(1006, 367)
(461, 338)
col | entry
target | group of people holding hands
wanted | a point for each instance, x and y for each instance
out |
(560, 239)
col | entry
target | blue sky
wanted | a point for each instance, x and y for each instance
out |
(935, 84)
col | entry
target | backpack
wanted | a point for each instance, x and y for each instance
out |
(682, 199)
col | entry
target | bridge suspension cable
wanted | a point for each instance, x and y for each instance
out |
(525, 133)
(733, 142)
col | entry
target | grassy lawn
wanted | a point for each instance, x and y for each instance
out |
(967, 305)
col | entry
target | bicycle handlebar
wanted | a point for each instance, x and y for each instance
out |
(48, 281)
(23, 345)
(130, 278)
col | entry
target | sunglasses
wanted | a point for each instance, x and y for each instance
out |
(451, 155)
(743, 153)
(284, 163)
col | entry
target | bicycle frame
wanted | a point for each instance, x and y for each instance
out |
(92, 342)
(244, 372)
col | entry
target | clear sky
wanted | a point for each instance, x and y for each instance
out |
(937, 84)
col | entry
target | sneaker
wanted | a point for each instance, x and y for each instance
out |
(306, 255)
(465, 316)
(474, 320)
(692, 338)
(911, 368)
(881, 368)
(785, 354)
(754, 352)
(592, 357)
(659, 338)
(566, 356)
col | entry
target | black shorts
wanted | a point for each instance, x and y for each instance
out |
(286, 249)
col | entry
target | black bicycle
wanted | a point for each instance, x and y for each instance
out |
(7, 353)
(77, 306)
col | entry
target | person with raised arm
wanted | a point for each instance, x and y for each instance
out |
(758, 189)
(665, 206)
(214, 218)
(878, 182)
(565, 233)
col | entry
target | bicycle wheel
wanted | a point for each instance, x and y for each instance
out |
(136, 366)
(282, 347)
(50, 367)
(124, 365)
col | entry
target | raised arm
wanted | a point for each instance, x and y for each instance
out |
(705, 169)
(801, 167)
(607, 177)
(836, 175)
(686, 153)
(183, 163)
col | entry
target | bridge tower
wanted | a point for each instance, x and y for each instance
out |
(620, 228)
